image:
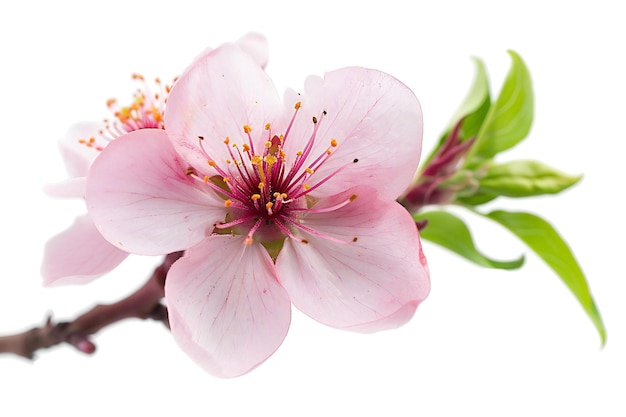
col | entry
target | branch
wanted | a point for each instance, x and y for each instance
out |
(143, 304)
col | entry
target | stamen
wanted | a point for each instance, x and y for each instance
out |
(328, 209)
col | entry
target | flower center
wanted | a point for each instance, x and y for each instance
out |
(145, 111)
(266, 197)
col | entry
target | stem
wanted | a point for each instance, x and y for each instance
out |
(145, 303)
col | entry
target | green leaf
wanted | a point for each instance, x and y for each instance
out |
(509, 118)
(525, 179)
(544, 240)
(451, 233)
(473, 108)
(475, 105)
(476, 199)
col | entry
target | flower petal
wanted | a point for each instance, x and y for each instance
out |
(375, 119)
(219, 94)
(73, 188)
(373, 281)
(79, 255)
(143, 201)
(77, 156)
(227, 309)
(255, 45)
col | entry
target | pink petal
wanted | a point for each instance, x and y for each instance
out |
(79, 255)
(374, 118)
(77, 156)
(72, 188)
(142, 200)
(227, 309)
(214, 99)
(255, 45)
(372, 284)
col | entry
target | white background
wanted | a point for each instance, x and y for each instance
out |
(488, 343)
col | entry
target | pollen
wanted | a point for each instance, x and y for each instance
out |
(267, 126)
(228, 203)
(226, 179)
(309, 171)
(247, 129)
(333, 143)
(255, 197)
(246, 147)
(269, 205)
(261, 185)
(306, 186)
(227, 140)
(206, 178)
(212, 163)
(297, 106)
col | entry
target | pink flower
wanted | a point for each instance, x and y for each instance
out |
(80, 253)
(273, 204)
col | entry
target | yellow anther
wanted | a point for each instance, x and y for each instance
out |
(206, 178)
(297, 106)
(111, 102)
(299, 153)
(226, 179)
(246, 147)
(333, 143)
(270, 159)
(328, 152)
(306, 186)
(247, 129)
(353, 197)
(227, 140)
(136, 76)
(283, 196)
(255, 197)
(248, 240)
(256, 160)
(276, 194)
(269, 205)
(157, 114)
(228, 203)
(268, 144)
(228, 161)
(309, 170)
(212, 163)
(261, 185)
(267, 126)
